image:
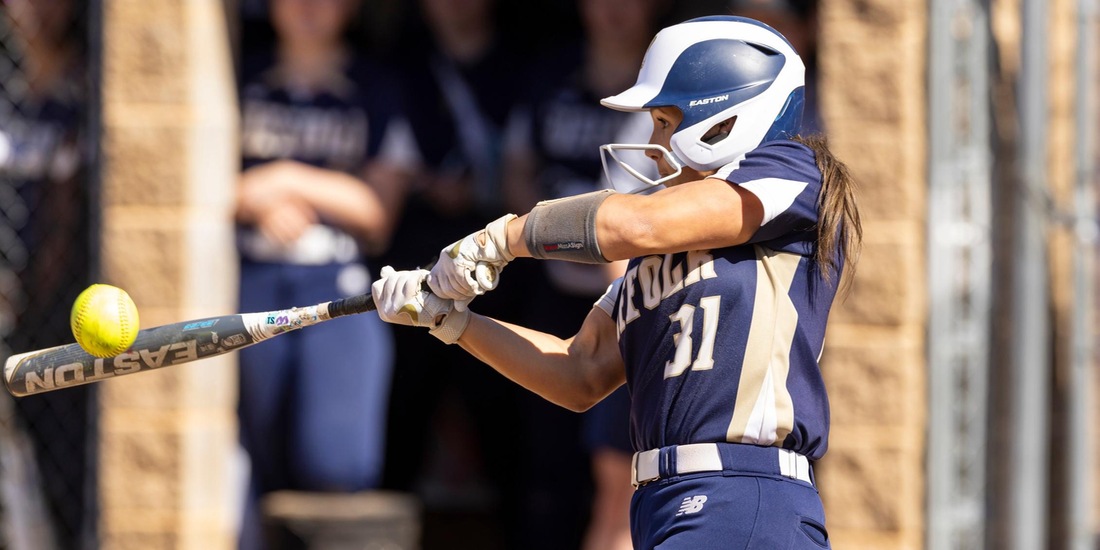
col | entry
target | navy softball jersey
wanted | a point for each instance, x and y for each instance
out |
(339, 127)
(723, 345)
(312, 405)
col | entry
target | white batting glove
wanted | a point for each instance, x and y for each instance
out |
(471, 267)
(401, 299)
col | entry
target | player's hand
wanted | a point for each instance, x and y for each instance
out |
(403, 299)
(263, 186)
(285, 221)
(471, 267)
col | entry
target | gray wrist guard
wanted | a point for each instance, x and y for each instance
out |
(565, 229)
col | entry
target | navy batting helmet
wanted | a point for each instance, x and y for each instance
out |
(717, 68)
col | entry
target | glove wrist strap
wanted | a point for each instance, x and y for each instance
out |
(452, 327)
(497, 232)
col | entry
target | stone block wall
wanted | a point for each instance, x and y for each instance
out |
(168, 438)
(873, 56)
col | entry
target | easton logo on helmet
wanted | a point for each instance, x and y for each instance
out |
(709, 100)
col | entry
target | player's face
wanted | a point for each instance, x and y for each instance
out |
(458, 14)
(623, 20)
(665, 122)
(311, 22)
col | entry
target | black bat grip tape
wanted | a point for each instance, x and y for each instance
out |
(350, 305)
(358, 304)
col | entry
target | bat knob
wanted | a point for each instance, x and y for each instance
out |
(487, 276)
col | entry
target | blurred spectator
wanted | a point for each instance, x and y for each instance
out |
(46, 237)
(457, 72)
(553, 151)
(459, 78)
(797, 21)
(325, 154)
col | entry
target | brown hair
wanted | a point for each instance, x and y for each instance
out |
(839, 231)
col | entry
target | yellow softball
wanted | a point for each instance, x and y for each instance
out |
(104, 320)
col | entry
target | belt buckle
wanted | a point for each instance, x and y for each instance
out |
(641, 482)
(794, 465)
(634, 473)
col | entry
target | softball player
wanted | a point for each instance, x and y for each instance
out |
(718, 323)
(316, 118)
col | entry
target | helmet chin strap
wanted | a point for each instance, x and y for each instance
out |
(610, 149)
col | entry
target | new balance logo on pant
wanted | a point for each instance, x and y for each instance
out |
(691, 505)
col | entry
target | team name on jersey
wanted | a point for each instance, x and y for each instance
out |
(274, 130)
(656, 278)
(709, 100)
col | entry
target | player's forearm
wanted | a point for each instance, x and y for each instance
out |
(625, 228)
(701, 215)
(544, 364)
(622, 232)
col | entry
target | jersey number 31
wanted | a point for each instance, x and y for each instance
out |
(685, 316)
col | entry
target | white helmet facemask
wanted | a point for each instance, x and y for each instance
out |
(646, 177)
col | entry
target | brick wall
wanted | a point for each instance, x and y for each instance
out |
(167, 447)
(873, 59)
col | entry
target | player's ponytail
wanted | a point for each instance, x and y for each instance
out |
(839, 231)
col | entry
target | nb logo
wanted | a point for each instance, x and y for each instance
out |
(691, 505)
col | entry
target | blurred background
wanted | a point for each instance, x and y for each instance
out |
(143, 141)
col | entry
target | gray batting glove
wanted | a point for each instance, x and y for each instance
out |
(401, 299)
(471, 267)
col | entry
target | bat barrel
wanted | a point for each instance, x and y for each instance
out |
(163, 346)
(167, 345)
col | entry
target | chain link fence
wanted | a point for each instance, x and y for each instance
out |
(47, 442)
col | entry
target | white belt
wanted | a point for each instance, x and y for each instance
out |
(706, 457)
(318, 245)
